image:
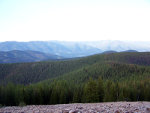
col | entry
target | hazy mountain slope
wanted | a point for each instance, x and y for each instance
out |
(117, 45)
(34, 72)
(109, 52)
(76, 49)
(52, 47)
(17, 56)
(130, 51)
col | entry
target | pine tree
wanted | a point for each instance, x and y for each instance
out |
(91, 91)
(109, 92)
(100, 87)
(77, 95)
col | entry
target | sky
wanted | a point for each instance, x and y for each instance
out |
(74, 20)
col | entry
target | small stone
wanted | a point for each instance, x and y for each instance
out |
(147, 110)
(74, 111)
(65, 111)
(80, 108)
(117, 111)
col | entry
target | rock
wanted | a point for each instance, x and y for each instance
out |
(147, 110)
(117, 111)
(80, 107)
(74, 111)
(65, 111)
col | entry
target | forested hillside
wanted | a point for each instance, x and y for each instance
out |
(99, 78)
(26, 73)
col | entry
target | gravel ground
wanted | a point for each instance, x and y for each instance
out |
(110, 107)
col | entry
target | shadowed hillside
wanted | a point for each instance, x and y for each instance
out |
(17, 56)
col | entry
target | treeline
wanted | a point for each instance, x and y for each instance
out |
(63, 92)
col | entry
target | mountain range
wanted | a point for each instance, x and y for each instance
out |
(75, 49)
(67, 49)
(15, 52)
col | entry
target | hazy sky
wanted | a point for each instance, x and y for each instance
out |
(74, 20)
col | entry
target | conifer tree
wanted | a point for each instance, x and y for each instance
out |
(91, 91)
(100, 87)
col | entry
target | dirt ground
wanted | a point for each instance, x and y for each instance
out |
(110, 107)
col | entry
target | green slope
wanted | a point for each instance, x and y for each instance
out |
(26, 73)
(107, 70)
(98, 78)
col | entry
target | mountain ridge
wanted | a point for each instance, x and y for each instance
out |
(51, 47)
(18, 56)
(76, 49)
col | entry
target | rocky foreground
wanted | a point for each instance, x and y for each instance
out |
(113, 107)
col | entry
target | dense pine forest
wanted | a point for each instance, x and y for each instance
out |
(99, 78)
